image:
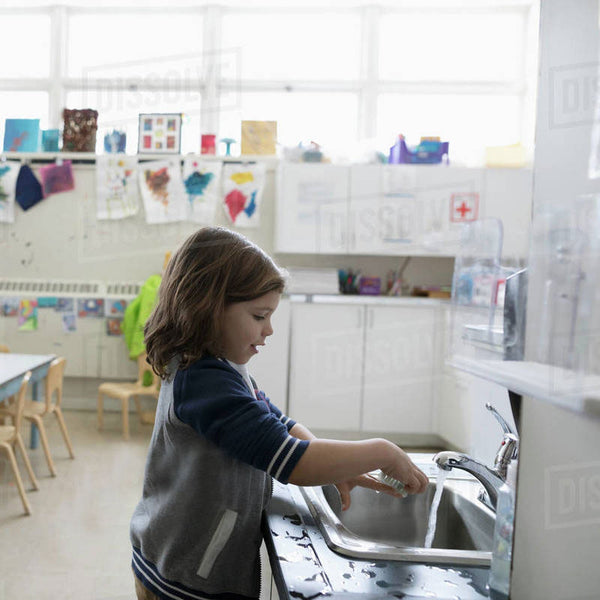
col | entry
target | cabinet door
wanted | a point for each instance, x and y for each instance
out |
(326, 365)
(401, 365)
(383, 210)
(312, 208)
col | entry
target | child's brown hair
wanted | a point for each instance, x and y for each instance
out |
(212, 269)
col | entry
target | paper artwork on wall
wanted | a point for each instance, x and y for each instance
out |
(29, 189)
(21, 135)
(115, 308)
(201, 180)
(163, 191)
(90, 307)
(57, 178)
(9, 172)
(242, 192)
(69, 322)
(28, 315)
(159, 133)
(9, 306)
(47, 302)
(117, 190)
(64, 305)
(113, 326)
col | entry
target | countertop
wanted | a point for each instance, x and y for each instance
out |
(304, 567)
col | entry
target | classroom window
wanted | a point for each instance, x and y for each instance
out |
(23, 105)
(154, 45)
(299, 116)
(21, 34)
(441, 46)
(295, 46)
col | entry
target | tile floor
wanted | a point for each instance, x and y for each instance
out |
(75, 545)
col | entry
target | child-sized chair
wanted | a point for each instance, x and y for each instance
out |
(10, 436)
(123, 391)
(36, 412)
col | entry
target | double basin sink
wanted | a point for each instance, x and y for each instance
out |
(384, 527)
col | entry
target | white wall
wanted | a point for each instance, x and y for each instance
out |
(61, 238)
(557, 539)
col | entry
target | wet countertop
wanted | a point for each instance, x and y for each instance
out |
(304, 567)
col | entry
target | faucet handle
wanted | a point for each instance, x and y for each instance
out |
(508, 451)
(505, 426)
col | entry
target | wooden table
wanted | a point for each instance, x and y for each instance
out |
(12, 369)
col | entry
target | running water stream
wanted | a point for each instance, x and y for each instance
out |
(441, 478)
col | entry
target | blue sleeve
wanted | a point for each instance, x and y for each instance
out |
(212, 398)
(289, 423)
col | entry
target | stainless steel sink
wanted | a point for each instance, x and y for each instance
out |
(379, 526)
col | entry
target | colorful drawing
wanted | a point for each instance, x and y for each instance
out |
(9, 306)
(159, 133)
(116, 307)
(113, 326)
(79, 129)
(259, 137)
(65, 305)
(201, 179)
(57, 178)
(90, 307)
(47, 302)
(9, 172)
(28, 315)
(117, 193)
(163, 192)
(21, 135)
(69, 322)
(243, 188)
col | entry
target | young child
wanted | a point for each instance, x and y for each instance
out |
(217, 439)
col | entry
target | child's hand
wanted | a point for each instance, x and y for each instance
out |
(403, 469)
(366, 481)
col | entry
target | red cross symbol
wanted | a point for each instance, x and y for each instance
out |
(464, 207)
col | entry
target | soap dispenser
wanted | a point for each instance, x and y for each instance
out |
(503, 536)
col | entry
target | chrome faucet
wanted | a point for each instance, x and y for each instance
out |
(491, 478)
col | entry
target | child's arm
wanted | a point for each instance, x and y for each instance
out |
(334, 461)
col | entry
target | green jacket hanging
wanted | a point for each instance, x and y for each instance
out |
(136, 315)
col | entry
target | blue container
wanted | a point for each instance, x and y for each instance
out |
(50, 139)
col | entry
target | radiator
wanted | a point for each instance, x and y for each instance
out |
(90, 351)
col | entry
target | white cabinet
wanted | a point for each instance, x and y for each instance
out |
(401, 360)
(364, 367)
(326, 365)
(312, 208)
(397, 209)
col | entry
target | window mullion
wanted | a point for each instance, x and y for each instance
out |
(58, 65)
(369, 73)
(211, 69)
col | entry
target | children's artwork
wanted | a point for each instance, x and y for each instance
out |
(69, 322)
(65, 305)
(201, 180)
(159, 133)
(90, 307)
(28, 315)
(9, 172)
(9, 306)
(115, 141)
(21, 135)
(242, 188)
(163, 191)
(259, 137)
(113, 326)
(47, 302)
(29, 189)
(50, 140)
(57, 178)
(115, 308)
(79, 130)
(117, 190)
